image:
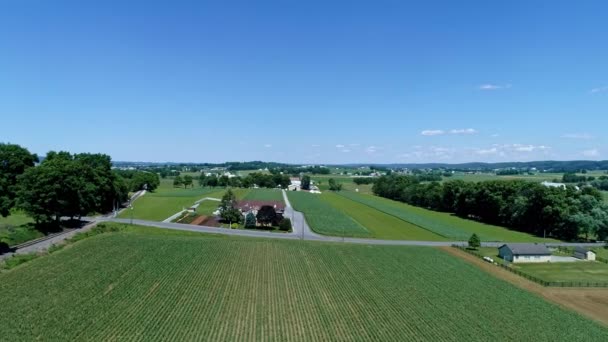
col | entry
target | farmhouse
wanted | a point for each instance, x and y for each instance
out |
(556, 185)
(295, 185)
(524, 252)
(583, 253)
(247, 206)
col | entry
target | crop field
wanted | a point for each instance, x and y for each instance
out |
(264, 195)
(443, 224)
(324, 218)
(379, 224)
(138, 286)
(157, 206)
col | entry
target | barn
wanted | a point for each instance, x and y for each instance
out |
(524, 252)
(583, 253)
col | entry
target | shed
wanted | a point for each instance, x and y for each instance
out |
(583, 253)
(524, 252)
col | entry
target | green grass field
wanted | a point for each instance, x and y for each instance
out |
(17, 228)
(324, 218)
(264, 195)
(159, 205)
(444, 224)
(582, 271)
(153, 285)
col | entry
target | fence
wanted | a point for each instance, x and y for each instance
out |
(536, 279)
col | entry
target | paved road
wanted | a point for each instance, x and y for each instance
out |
(300, 230)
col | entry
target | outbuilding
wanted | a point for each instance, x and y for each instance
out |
(524, 252)
(583, 253)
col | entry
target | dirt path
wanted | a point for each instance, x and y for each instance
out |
(589, 302)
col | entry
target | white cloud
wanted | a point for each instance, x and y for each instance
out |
(268, 145)
(432, 132)
(339, 146)
(599, 89)
(581, 136)
(492, 150)
(490, 86)
(527, 148)
(464, 131)
(345, 150)
(591, 153)
(371, 149)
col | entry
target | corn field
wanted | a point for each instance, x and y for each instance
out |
(139, 287)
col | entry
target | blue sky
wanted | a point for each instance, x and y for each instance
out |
(307, 81)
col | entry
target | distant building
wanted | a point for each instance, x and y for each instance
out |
(556, 185)
(524, 252)
(252, 206)
(583, 253)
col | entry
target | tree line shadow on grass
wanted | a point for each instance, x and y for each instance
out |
(14, 235)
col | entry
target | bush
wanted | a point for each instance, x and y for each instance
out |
(285, 224)
(4, 247)
(18, 259)
(474, 241)
(250, 220)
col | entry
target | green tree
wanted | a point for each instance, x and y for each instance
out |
(177, 181)
(187, 181)
(267, 215)
(474, 241)
(228, 209)
(333, 185)
(250, 220)
(285, 224)
(305, 184)
(14, 160)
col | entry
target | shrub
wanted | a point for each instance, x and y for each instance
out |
(474, 241)
(285, 224)
(250, 220)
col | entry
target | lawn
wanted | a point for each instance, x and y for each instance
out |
(323, 218)
(264, 195)
(605, 194)
(379, 224)
(159, 205)
(580, 271)
(444, 224)
(17, 228)
(141, 286)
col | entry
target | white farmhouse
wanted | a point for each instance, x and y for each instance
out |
(524, 252)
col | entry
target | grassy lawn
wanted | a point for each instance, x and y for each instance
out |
(444, 224)
(163, 203)
(580, 271)
(17, 228)
(605, 194)
(155, 285)
(264, 195)
(379, 224)
(323, 218)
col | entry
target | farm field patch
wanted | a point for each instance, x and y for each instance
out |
(324, 218)
(167, 286)
(379, 224)
(264, 195)
(444, 224)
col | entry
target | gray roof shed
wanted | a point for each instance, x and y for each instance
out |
(527, 249)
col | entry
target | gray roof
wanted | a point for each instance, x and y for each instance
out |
(581, 249)
(527, 249)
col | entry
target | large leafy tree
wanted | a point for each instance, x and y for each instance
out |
(228, 210)
(187, 181)
(69, 185)
(14, 160)
(267, 215)
(305, 183)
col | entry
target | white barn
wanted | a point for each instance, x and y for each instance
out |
(524, 252)
(583, 253)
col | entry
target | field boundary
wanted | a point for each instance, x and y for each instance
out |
(533, 278)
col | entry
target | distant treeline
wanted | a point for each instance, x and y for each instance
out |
(260, 179)
(520, 205)
(296, 170)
